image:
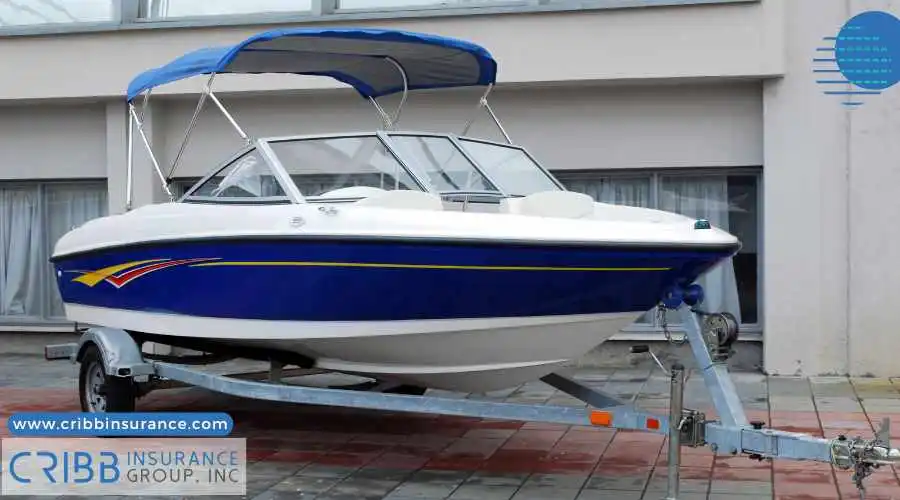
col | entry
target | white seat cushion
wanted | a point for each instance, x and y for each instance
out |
(563, 204)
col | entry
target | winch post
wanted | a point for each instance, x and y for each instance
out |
(715, 373)
(676, 410)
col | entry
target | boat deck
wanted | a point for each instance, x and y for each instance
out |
(359, 454)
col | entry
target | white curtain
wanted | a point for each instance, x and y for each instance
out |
(20, 253)
(32, 218)
(634, 191)
(67, 207)
(705, 197)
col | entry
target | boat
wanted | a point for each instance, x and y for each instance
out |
(428, 259)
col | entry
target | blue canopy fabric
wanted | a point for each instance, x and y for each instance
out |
(357, 57)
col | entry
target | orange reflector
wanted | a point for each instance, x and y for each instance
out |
(601, 418)
(652, 423)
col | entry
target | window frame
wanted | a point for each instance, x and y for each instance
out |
(644, 332)
(131, 14)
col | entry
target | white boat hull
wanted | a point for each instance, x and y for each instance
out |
(462, 355)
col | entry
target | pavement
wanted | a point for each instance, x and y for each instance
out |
(324, 453)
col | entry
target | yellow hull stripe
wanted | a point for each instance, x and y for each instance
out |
(429, 266)
(93, 277)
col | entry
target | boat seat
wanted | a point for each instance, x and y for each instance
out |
(414, 200)
(562, 204)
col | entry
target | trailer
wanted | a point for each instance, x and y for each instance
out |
(114, 373)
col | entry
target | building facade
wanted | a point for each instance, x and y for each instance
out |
(708, 108)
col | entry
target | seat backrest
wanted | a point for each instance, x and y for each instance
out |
(563, 204)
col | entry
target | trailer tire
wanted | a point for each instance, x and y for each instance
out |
(98, 391)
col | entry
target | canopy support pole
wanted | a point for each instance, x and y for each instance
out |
(187, 133)
(490, 110)
(405, 89)
(483, 103)
(129, 173)
(145, 104)
(230, 118)
(385, 117)
(146, 141)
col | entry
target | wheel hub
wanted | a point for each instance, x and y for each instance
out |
(94, 389)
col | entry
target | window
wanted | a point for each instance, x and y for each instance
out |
(25, 12)
(437, 161)
(397, 4)
(510, 167)
(32, 218)
(728, 200)
(246, 178)
(318, 166)
(166, 9)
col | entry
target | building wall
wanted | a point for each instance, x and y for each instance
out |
(53, 141)
(580, 45)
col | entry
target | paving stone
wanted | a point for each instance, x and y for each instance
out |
(484, 478)
(284, 495)
(617, 483)
(838, 404)
(380, 474)
(327, 471)
(735, 496)
(686, 485)
(430, 484)
(362, 488)
(562, 481)
(791, 403)
(882, 405)
(273, 469)
(305, 484)
(741, 487)
(545, 493)
(483, 492)
(609, 495)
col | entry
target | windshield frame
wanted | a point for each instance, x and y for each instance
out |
(540, 167)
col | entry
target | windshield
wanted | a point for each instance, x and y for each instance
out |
(515, 172)
(322, 166)
(438, 162)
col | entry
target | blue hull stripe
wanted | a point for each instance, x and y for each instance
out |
(301, 280)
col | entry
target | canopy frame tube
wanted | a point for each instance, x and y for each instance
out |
(484, 104)
(390, 122)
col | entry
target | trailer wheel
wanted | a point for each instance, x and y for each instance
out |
(101, 393)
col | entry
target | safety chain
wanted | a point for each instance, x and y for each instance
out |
(661, 319)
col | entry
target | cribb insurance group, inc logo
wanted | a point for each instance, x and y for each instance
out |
(155, 454)
(863, 60)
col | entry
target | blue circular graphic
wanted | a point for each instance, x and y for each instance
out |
(868, 50)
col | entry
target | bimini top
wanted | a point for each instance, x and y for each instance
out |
(358, 57)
